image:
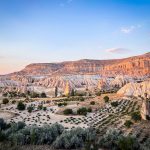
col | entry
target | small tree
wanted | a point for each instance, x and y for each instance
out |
(68, 111)
(30, 109)
(13, 102)
(92, 102)
(56, 91)
(106, 99)
(40, 107)
(136, 116)
(44, 108)
(5, 101)
(43, 95)
(114, 104)
(21, 106)
(72, 93)
(128, 123)
(98, 93)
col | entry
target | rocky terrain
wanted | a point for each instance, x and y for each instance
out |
(80, 74)
(132, 66)
(136, 89)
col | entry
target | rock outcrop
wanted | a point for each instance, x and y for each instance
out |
(86, 73)
(134, 66)
(136, 89)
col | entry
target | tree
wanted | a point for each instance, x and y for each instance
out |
(21, 106)
(30, 109)
(114, 104)
(68, 111)
(43, 95)
(81, 98)
(13, 102)
(72, 93)
(98, 93)
(92, 102)
(44, 108)
(89, 109)
(136, 116)
(5, 94)
(106, 99)
(83, 111)
(128, 143)
(128, 123)
(110, 139)
(56, 91)
(40, 107)
(5, 101)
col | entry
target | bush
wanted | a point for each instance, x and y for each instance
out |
(30, 109)
(13, 102)
(89, 109)
(92, 102)
(114, 104)
(128, 143)
(128, 123)
(62, 104)
(21, 106)
(5, 101)
(106, 99)
(68, 111)
(98, 93)
(110, 139)
(43, 95)
(81, 99)
(136, 116)
(44, 108)
(2, 124)
(40, 107)
(83, 111)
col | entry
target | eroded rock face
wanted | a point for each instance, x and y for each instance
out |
(136, 89)
(133, 66)
(79, 74)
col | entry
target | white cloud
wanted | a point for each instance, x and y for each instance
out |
(130, 29)
(116, 50)
(127, 30)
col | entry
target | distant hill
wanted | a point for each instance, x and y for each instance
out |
(132, 66)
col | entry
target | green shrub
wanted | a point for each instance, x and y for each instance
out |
(68, 111)
(5, 101)
(21, 106)
(106, 99)
(114, 104)
(92, 102)
(136, 116)
(83, 111)
(43, 95)
(30, 109)
(44, 108)
(98, 93)
(128, 123)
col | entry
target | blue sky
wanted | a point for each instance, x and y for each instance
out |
(57, 30)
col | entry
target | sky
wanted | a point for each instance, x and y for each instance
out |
(38, 31)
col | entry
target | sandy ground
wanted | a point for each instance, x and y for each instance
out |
(6, 115)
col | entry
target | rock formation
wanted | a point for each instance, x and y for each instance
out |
(67, 89)
(132, 66)
(136, 89)
(145, 109)
(79, 74)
